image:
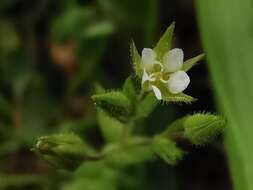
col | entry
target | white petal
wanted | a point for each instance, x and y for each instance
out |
(145, 77)
(148, 57)
(157, 92)
(173, 60)
(178, 82)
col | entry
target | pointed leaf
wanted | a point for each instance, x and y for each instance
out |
(165, 42)
(111, 128)
(192, 62)
(116, 103)
(146, 106)
(136, 59)
(130, 88)
(167, 150)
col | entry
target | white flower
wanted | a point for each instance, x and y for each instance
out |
(169, 75)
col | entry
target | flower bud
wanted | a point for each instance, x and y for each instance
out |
(65, 151)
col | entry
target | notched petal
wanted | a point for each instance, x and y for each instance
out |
(148, 57)
(173, 60)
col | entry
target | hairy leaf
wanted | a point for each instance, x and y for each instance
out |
(116, 103)
(167, 150)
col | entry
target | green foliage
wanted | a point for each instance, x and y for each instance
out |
(227, 38)
(192, 62)
(66, 151)
(167, 150)
(165, 42)
(130, 89)
(111, 128)
(116, 103)
(146, 106)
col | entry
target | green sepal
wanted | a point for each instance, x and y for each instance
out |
(165, 42)
(178, 98)
(168, 97)
(192, 62)
(116, 103)
(136, 59)
(167, 150)
(66, 151)
(201, 128)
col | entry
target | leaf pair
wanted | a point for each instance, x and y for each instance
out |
(119, 104)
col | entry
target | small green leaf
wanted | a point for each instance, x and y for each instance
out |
(130, 88)
(167, 150)
(201, 128)
(110, 127)
(165, 42)
(192, 62)
(146, 106)
(116, 103)
(128, 153)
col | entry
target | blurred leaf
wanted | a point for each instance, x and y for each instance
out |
(130, 89)
(227, 38)
(167, 150)
(128, 153)
(146, 106)
(20, 180)
(99, 29)
(165, 42)
(110, 127)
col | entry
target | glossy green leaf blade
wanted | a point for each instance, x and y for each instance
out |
(226, 28)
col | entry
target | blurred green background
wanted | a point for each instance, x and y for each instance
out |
(52, 53)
